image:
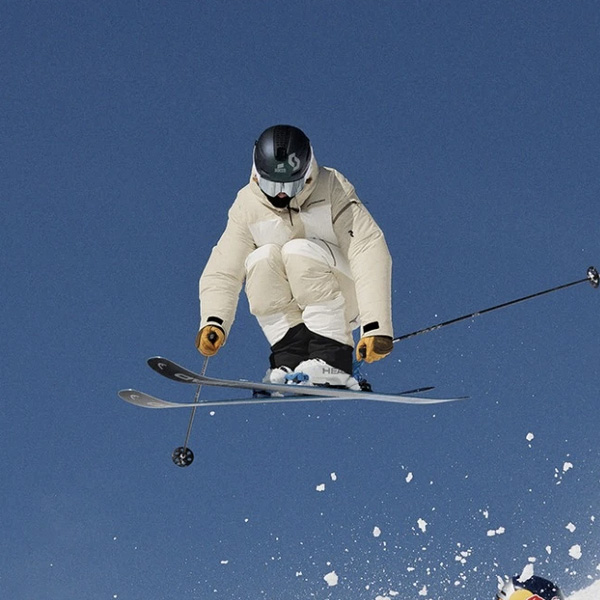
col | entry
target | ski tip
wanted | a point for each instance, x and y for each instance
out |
(128, 395)
(155, 359)
(159, 363)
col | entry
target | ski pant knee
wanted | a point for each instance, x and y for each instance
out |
(303, 281)
(269, 295)
(321, 284)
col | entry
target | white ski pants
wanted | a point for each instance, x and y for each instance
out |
(303, 281)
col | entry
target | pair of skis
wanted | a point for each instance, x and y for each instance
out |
(273, 393)
(267, 393)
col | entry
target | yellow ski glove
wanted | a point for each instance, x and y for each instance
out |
(209, 339)
(374, 348)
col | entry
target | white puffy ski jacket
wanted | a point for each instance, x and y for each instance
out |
(326, 209)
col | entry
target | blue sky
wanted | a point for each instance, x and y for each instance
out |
(471, 132)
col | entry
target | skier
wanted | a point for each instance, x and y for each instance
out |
(315, 265)
(534, 588)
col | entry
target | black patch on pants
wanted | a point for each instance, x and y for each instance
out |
(299, 344)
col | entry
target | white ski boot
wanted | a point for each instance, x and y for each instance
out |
(277, 375)
(316, 371)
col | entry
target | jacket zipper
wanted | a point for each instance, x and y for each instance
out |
(290, 210)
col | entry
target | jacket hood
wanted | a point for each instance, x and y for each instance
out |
(299, 199)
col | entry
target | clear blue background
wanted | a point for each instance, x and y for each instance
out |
(471, 132)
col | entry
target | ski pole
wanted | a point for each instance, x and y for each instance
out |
(592, 277)
(183, 456)
(196, 396)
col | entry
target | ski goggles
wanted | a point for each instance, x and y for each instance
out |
(289, 188)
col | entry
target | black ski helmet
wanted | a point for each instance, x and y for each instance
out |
(534, 588)
(282, 159)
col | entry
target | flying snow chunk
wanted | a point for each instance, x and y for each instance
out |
(423, 591)
(570, 527)
(462, 557)
(567, 466)
(376, 531)
(526, 573)
(320, 487)
(493, 532)
(422, 525)
(529, 437)
(575, 551)
(331, 579)
(333, 477)
(409, 478)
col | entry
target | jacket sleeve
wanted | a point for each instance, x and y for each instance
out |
(363, 242)
(224, 274)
